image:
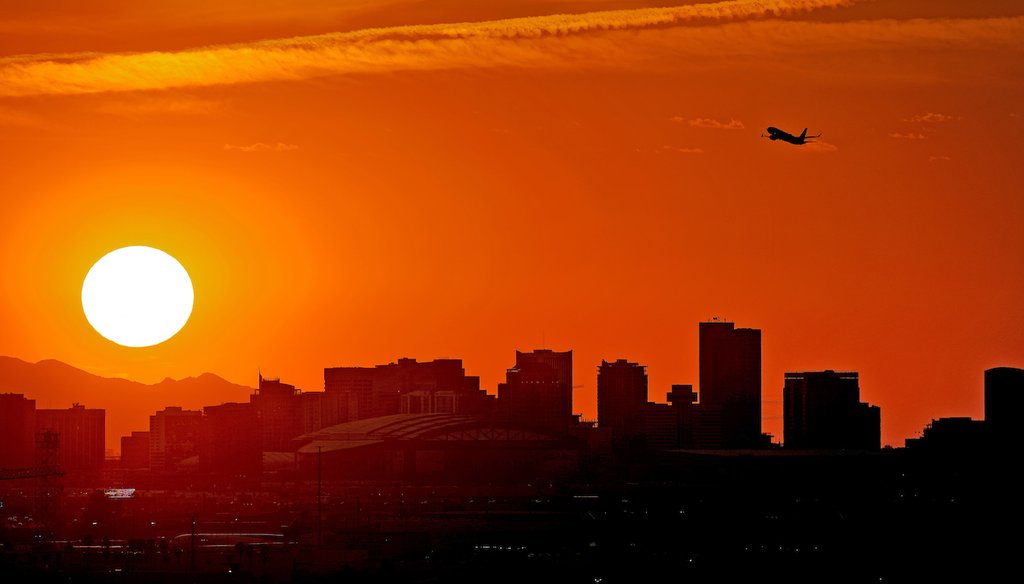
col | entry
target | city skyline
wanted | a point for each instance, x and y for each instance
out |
(498, 291)
(355, 382)
(597, 190)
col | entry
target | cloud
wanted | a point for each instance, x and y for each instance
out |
(261, 147)
(908, 136)
(939, 158)
(515, 41)
(686, 150)
(598, 39)
(929, 118)
(732, 124)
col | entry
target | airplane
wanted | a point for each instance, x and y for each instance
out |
(777, 134)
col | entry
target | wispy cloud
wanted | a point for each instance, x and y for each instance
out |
(261, 147)
(908, 136)
(681, 150)
(929, 118)
(732, 124)
(493, 43)
(938, 158)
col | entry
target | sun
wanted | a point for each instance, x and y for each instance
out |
(137, 296)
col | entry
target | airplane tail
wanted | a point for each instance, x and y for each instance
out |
(804, 133)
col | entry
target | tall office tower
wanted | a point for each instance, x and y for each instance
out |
(173, 437)
(81, 436)
(18, 424)
(823, 411)
(538, 389)
(230, 440)
(1004, 404)
(622, 399)
(277, 414)
(407, 386)
(730, 381)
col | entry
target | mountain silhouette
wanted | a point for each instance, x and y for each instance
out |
(54, 384)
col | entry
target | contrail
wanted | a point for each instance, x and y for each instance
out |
(516, 41)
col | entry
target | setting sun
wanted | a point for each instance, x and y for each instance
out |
(137, 296)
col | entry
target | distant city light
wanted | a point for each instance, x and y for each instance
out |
(119, 493)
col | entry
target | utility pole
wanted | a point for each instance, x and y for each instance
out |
(319, 491)
(193, 545)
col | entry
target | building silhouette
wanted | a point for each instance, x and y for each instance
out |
(730, 386)
(1004, 404)
(230, 443)
(622, 400)
(660, 426)
(80, 434)
(173, 437)
(278, 416)
(699, 425)
(947, 435)
(135, 451)
(406, 386)
(822, 410)
(457, 448)
(319, 409)
(18, 423)
(538, 389)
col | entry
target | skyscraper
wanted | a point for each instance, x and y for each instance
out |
(1004, 404)
(81, 436)
(621, 399)
(277, 414)
(230, 440)
(173, 437)
(538, 389)
(730, 381)
(822, 410)
(18, 421)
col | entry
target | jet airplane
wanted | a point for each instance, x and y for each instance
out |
(777, 134)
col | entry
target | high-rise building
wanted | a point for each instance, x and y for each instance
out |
(538, 389)
(230, 440)
(135, 451)
(699, 425)
(1004, 404)
(660, 426)
(173, 437)
(823, 411)
(81, 436)
(278, 414)
(18, 423)
(622, 399)
(439, 386)
(730, 382)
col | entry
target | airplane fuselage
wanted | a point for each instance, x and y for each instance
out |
(777, 134)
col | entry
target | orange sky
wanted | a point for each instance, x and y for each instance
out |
(399, 186)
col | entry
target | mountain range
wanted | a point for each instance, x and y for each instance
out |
(128, 404)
